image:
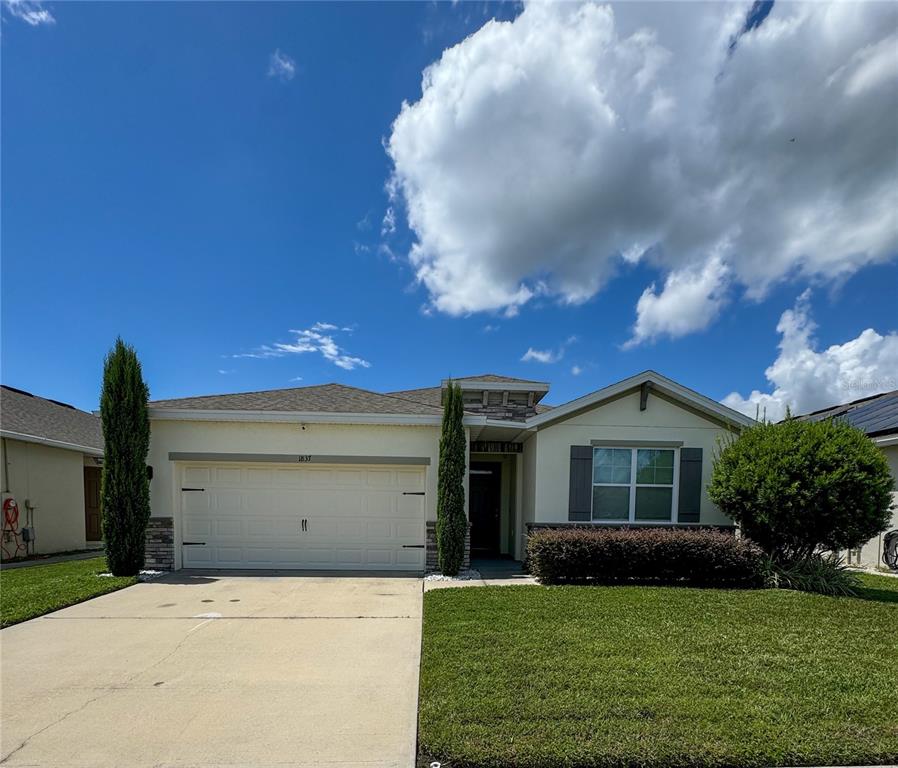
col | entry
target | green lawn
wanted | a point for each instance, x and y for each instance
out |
(39, 589)
(654, 676)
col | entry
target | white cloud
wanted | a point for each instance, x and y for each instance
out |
(388, 226)
(547, 153)
(490, 328)
(541, 356)
(31, 12)
(319, 338)
(226, 371)
(804, 379)
(690, 299)
(281, 66)
(296, 378)
(547, 355)
(576, 370)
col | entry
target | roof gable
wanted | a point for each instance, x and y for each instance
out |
(658, 384)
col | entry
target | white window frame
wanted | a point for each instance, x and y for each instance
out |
(633, 485)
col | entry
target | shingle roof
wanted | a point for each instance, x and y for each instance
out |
(876, 415)
(433, 396)
(22, 413)
(323, 398)
(496, 379)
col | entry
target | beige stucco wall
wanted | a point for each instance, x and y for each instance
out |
(870, 555)
(619, 419)
(280, 438)
(52, 479)
(528, 494)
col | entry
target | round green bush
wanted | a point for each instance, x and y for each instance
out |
(798, 487)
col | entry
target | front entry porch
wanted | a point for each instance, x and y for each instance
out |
(493, 504)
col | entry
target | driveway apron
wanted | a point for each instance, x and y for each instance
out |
(219, 669)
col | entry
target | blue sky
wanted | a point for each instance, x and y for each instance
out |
(164, 179)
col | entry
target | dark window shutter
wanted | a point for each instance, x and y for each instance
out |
(580, 498)
(690, 504)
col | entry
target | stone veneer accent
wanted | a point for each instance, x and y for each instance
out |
(431, 561)
(160, 544)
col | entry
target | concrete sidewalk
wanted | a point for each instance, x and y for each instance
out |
(219, 670)
(85, 555)
(497, 573)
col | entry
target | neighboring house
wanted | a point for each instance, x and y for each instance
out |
(335, 477)
(50, 456)
(877, 417)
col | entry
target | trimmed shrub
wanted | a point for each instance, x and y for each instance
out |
(654, 555)
(825, 574)
(798, 487)
(452, 525)
(125, 485)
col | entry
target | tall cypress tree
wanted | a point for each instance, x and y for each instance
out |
(125, 490)
(451, 521)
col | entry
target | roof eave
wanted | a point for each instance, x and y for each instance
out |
(50, 443)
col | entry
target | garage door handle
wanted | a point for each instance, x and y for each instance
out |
(194, 543)
(413, 546)
(193, 489)
(413, 493)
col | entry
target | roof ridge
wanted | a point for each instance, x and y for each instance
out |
(59, 403)
(264, 391)
(409, 400)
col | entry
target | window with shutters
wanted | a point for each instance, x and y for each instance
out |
(634, 485)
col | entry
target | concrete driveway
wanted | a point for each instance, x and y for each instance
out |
(219, 670)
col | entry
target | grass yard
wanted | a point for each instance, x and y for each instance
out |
(654, 676)
(39, 589)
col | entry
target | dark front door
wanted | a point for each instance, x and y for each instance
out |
(485, 488)
(92, 528)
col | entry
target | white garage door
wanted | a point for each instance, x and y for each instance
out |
(286, 516)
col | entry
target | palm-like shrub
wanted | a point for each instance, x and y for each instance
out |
(799, 487)
(125, 490)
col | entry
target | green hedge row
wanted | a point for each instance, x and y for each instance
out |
(654, 555)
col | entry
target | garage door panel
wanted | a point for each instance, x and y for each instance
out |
(226, 501)
(196, 476)
(197, 557)
(410, 480)
(380, 504)
(411, 557)
(228, 475)
(197, 526)
(256, 476)
(381, 478)
(317, 477)
(356, 517)
(195, 502)
(349, 478)
(226, 527)
(410, 507)
(346, 557)
(350, 530)
(229, 557)
(408, 532)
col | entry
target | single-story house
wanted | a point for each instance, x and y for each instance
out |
(336, 477)
(50, 455)
(877, 417)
